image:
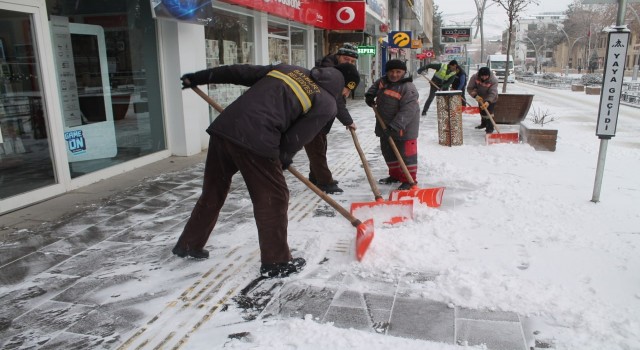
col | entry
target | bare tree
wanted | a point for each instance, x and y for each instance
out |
(513, 8)
(481, 5)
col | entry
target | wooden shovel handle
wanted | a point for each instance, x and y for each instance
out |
(365, 164)
(207, 98)
(406, 172)
(431, 82)
(355, 222)
(490, 117)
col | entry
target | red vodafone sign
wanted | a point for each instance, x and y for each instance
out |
(346, 15)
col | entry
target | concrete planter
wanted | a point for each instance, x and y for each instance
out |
(592, 90)
(577, 87)
(512, 108)
(540, 138)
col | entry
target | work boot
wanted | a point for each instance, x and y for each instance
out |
(424, 113)
(194, 253)
(280, 270)
(331, 188)
(388, 180)
(404, 186)
(312, 179)
(489, 131)
(480, 126)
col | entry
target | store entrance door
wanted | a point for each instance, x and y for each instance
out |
(26, 162)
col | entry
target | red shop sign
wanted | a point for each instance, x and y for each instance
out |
(346, 15)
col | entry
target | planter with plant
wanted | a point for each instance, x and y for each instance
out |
(535, 131)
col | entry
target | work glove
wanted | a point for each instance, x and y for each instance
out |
(390, 132)
(485, 105)
(188, 80)
(370, 101)
(479, 99)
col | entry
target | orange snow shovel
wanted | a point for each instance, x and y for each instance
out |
(432, 197)
(507, 137)
(400, 210)
(364, 233)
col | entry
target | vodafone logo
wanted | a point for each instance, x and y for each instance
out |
(345, 15)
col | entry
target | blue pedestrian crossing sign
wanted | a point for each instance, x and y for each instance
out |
(400, 39)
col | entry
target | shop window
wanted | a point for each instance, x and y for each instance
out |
(229, 39)
(25, 151)
(107, 66)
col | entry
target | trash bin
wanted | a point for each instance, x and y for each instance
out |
(449, 105)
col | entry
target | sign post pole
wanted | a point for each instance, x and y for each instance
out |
(617, 46)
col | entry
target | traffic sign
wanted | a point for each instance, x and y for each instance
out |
(612, 83)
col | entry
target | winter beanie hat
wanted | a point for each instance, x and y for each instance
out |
(484, 71)
(348, 50)
(350, 74)
(395, 64)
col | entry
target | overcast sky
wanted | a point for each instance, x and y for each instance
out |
(460, 12)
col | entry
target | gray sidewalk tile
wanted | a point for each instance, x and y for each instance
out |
(30, 265)
(299, 301)
(40, 323)
(486, 315)
(422, 319)
(73, 341)
(349, 317)
(496, 335)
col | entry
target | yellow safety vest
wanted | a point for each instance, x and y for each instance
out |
(442, 72)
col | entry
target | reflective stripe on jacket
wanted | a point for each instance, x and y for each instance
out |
(442, 72)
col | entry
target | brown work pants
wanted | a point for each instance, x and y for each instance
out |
(317, 153)
(268, 191)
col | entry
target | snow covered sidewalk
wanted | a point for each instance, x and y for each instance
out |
(516, 253)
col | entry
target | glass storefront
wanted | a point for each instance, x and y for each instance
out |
(25, 151)
(107, 65)
(229, 39)
(287, 44)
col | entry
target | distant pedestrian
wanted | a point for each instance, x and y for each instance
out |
(483, 86)
(442, 79)
(258, 135)
(396, 99)
(579, 69)
(319, 172)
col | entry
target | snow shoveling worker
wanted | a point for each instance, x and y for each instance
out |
(319, 172)
(483, 86)
(258, 135)
(442, 79)
(396, 99)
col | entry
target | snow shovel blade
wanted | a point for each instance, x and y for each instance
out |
(393, 211)
(364, 236)
(504, 137)
(432, 197)
(470, 110)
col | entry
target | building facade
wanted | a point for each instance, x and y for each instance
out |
(91, 89)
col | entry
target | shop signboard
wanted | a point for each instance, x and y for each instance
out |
(400, 39)
(455, 35)
(366, 50)
(451, 50)
(342, 15)
(192, 11)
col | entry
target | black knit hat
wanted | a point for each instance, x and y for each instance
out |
(452, 62)
(484, 71)
(348, 50)
(350, 74)
(395, 64)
